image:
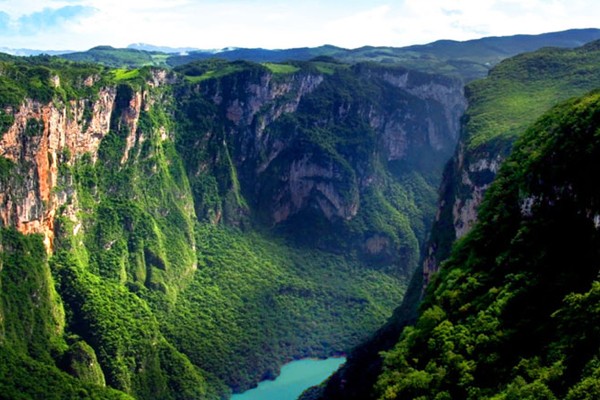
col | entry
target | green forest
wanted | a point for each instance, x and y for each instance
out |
(513, 313)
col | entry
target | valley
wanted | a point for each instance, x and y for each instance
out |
(182, 230)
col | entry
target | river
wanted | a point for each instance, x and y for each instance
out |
(295, 378)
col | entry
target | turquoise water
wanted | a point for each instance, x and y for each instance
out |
(294, 379)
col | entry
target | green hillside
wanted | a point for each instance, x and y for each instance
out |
(519, 294)
(181, 233)
(516, 92)
(468, 60)
(501, 107)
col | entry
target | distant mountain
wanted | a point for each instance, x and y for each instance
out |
(469, 59)
(165, 49)
(119, 58)
(263, 55)
(32, 52)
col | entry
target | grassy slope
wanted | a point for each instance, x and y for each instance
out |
(118, 58)
(520, 89)
(518, 295)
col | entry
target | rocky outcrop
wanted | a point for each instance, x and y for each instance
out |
(441, 92)
(269, 97)
(468, 176)
(493, 123)
(309, 180)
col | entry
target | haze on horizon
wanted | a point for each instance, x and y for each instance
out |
(215, 24)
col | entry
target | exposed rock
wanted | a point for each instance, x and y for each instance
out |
(130, 118)
(30, 202)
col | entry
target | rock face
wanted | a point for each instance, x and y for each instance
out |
(47, 137)
(316, 148)
(525, 276)
(468, 175)
(500, 108)
(42, 137)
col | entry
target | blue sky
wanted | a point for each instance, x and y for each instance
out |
(207, 24)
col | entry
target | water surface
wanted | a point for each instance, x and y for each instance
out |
(294, 379)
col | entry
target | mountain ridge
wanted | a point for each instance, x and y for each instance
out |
(468, 59)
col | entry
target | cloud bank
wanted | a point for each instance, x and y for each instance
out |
(81, 24)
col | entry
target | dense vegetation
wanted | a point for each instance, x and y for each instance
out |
(32, 329)
(119, 58)
(173, 273)
(520, 89)
(43, 78)
(256, 302)
(514, 312)
(247, 170)
(397, 207)
(515, 93)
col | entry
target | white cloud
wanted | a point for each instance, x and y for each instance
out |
(281, 24)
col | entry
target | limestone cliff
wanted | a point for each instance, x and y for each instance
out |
(42, 137)
(230, 216)
(309, 147)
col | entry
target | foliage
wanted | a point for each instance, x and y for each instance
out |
(281, 68)
(134, 356)
(23, 378)
(28, 298)
(212, 69)
(256, 302)
(517, 296)
(6, 167)
(520, 89)
(32, 318)
(44, 79)
(330, 129)
(516, 92)
(469, 60)
(174, 308)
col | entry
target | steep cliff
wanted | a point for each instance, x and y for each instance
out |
(336, 165)
(75, 144)
(322, 156)
(500, 107)
(195, 229)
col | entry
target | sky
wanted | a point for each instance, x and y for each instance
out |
(276, 24)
